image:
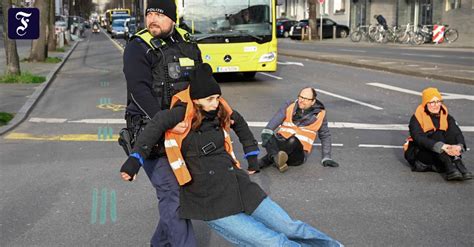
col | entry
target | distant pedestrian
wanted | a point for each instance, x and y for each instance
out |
(436, 142)
(381, 21)
(290, 134)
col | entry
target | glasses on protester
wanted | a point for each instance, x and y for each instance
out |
(304, 98)
(434, 103)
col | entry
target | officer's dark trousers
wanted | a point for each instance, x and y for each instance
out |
(292, 146)
(171, 230)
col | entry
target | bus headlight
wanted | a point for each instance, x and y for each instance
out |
(268, 57)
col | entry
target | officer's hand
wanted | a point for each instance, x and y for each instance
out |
(130, 169)
(180, 128)
(266, 135)
(330, 163)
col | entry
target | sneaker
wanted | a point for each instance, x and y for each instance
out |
(280, 161)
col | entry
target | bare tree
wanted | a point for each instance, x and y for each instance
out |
(39, 47)
(312, 18)
(11, 53)
(51, 27)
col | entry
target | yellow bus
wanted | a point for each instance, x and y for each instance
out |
(114, 14)
(233, 35)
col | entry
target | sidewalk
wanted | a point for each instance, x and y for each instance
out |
(439, 71)
(18, 98)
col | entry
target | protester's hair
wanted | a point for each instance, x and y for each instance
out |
(315, 94)
(222, 115)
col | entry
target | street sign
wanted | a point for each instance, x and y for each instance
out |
(321, 1)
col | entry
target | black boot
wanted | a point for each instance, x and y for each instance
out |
(466, 175)
(451, 172)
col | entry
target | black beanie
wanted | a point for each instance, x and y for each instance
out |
(166, 7)
(203, 83)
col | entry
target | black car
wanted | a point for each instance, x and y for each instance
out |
(283, 27)
(341, 30)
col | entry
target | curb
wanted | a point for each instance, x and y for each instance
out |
(25, 110)
(382, 68)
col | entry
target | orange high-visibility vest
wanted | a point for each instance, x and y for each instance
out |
(306, 134)
(173, 141)
(425, 120)
(426, 123)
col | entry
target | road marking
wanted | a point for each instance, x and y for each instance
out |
(103, 101)
(388, 62)
(429, 68)
(68, 137)
(102, 211)
(319, 144)
(413, 65)
(273, 76)
(463, 70)
(105, 133)
(349, 50)
(378, 146)
(408, 91)
(47, 120)
(100, 121)
(104, 84)
(115, 43)
(421, 55)
(349, 99)
(291, 63)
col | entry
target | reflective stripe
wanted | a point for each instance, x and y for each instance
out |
(225, 134)
(307, 130)
(171, 143)
(305, 139)
(289, 124)
(291, 131)
(177, 164)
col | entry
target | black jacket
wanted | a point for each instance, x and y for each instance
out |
(218, 188)
(434, 140)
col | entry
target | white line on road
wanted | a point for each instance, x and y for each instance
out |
(335, 125)
(413, 65)
(408, 91)
(421, 55)
(273, 76)
(291, 63)
(349, 99)
(429, 68)
(388, 62)
(319, 144)
(378, 146)
(349, 50)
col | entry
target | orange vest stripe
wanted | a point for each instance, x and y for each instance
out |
(306, 134)
(173, 141)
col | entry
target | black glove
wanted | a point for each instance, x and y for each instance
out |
(266, 135)
(253, 163)
(131, 167)
(330, 163)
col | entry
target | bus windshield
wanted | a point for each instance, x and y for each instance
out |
(249, 20)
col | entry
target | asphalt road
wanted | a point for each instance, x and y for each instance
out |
(58, 190)
(451, 56)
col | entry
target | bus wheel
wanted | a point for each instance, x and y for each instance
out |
(249, 75)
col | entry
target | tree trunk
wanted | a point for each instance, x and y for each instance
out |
(52, 30)
(312, 18)
(39, 47)
(11, 53)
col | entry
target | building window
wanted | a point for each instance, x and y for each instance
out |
(339, 6)
(453, 4)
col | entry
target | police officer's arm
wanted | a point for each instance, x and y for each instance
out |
(421, 138)
(137, 67)
(153, 131)
(247, 140)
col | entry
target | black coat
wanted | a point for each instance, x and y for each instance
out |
(433, 140)
(218, 188)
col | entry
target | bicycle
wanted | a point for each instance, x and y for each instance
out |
(451, 34)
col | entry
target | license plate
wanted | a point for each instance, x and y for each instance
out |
(228, 69)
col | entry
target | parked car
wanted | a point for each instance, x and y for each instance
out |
(130, 27)
(117, 28)
(341, 30)
(283, 27)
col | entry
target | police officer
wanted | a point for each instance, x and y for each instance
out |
(298, 123)
(157, 62)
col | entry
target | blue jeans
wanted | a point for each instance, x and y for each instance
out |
(269, 225)
(171, 230)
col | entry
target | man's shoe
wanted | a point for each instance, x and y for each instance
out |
(280, 160)
(454, 174)
(466, 175)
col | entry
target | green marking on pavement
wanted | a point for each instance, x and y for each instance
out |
(95, 193)
(104, 101)
(104, 83)
(103, 206)
(105, 133)
(113, 206)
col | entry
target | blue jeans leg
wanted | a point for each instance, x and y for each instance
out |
(276, 218)
(243, 230)
(171, 230)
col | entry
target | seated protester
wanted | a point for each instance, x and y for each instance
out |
(299, 123)
(214, 188)
(435, 142)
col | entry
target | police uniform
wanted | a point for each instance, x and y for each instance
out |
(155, 69)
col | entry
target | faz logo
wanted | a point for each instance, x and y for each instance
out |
(23, 23)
